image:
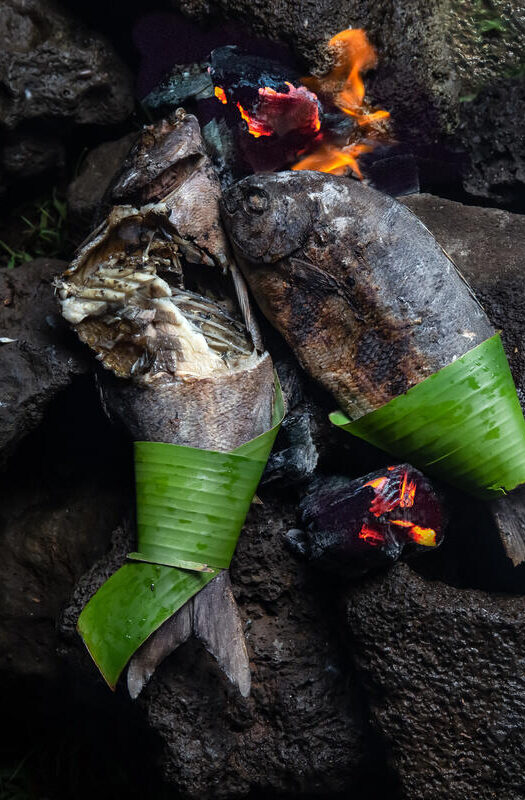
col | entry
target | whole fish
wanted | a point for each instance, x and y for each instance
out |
(156, 294)
(362, 292)
(360, 289)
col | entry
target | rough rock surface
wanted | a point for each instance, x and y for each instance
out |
(432, 57)
(497, 163)
(42, 359)
(488, 246)
(53, 73)
(300, 730)
(85, 193)
(444, 669)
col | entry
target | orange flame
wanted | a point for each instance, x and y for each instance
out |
(354, 55)
(424, 536)
(377, 483)
(220, 94)
(408, 493)
(329, 158)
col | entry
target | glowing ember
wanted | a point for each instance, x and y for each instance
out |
(424, 536)
(255, 127)
(220, 95)
(371, 536)
(377, 483)
(294, 110)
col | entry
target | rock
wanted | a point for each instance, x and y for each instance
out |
(487, 245)
(300, 730)
(444, 669)
(43, 358)
(54, 74)
(85, 193)
(432, 57)
(497, 161)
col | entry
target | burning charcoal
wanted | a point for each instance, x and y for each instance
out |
(242, 74)
(185, 82)
(353, 525)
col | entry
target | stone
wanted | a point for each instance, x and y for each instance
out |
(86, 191)
(43, 357)
(444, 671)
(54, 70)
(487, 246)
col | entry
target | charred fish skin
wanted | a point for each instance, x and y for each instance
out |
(357, 285)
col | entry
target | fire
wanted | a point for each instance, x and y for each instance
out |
(391, 492)
(345, 87)
(329, 158)
(371, 536)
(255, 127)
(220, 94)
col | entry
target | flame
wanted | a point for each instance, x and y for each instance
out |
(329, 158)
(389, 495)
(344, 84)
(255, 127)
(371, 536)
(220, 94)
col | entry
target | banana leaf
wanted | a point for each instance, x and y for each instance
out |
(191, 506)
(464, 424)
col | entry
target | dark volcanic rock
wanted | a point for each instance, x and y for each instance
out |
(497, 149)
(85, 193)
(444, 669)
(53, 74)
(299, 731)
(488, 246)
(42, 359)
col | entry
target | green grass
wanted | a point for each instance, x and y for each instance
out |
(42, 232)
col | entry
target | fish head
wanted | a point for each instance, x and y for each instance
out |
(268, 216)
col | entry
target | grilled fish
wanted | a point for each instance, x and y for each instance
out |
(154, 291)
(359, 288)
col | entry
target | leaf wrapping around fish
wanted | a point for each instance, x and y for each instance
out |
(191, 506)
(463, 424)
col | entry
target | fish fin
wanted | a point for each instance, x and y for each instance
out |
(243, 298)
(175, 631)
(509, 517)
(217, 624)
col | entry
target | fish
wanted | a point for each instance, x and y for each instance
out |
(155, 292)
(362, 292)
(365, 296)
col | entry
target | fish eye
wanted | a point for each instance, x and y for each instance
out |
(256, 202)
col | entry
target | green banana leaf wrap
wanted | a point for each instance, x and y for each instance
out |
(464, 424)
(191, 506)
